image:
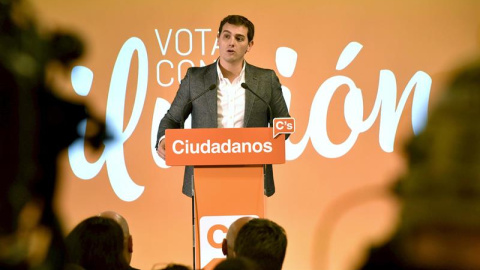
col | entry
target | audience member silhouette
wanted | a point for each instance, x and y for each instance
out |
(439, 225)
(175, 266)
(71, 266)
(229, 241)
(96, 243)
(35, 126)
(262, 241)
(237, 263)
(127, 237)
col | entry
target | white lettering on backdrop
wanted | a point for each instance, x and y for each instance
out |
(113, 154)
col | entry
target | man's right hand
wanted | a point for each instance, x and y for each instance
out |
(161, 149)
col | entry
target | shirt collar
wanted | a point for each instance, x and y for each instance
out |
(240, 77)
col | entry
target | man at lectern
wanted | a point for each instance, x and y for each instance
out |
(229, 93)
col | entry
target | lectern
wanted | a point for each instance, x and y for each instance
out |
(228, 179)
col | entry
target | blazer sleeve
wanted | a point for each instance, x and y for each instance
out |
(277, 101)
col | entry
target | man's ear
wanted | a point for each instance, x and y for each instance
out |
(130, 244)
(224, 247)
(250, 45)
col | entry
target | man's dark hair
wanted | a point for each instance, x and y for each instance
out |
(238, 20)
(96, 243)
(262, 241)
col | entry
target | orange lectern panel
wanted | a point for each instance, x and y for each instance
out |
(232, 190)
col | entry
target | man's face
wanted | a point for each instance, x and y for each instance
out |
(233, 43)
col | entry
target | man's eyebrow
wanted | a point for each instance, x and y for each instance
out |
(228, 32)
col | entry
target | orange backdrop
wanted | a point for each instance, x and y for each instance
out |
(333, 208)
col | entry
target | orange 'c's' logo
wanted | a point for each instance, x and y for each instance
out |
(211, 232)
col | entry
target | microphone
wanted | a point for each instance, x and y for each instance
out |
(212, 87)
(270, 116)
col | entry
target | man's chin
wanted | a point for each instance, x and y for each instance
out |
(231, 59)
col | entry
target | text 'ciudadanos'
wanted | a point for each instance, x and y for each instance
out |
(228, 147)
(223, 146)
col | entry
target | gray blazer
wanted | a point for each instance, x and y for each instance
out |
(264, 82)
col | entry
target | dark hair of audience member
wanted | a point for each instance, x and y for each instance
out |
(175, 266)
(237, 263)
(96, 243)
(262, 241)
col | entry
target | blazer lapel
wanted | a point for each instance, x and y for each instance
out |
(210, 78)
(252, 82)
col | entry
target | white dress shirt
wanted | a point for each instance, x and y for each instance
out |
(230, 100)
